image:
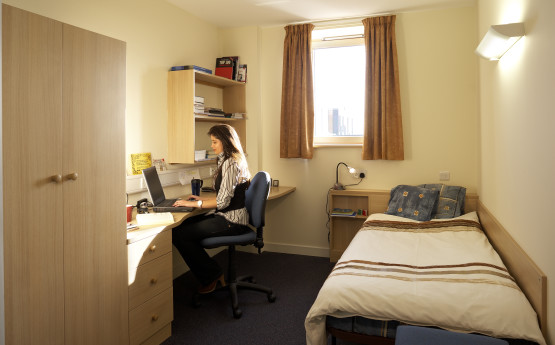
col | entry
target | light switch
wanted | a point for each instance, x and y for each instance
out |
(444, 176)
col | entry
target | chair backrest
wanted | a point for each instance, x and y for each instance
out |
(255, 198)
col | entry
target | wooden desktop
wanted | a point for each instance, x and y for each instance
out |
(149, 252)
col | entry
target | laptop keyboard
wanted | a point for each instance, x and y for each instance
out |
(172, 209)
(166, 203)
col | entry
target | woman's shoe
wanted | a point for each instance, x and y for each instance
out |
(212, 286)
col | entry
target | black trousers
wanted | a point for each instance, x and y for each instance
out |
(187, 236)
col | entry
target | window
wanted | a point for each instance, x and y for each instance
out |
(338, 62)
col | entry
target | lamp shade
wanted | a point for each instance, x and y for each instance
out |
(499, 39)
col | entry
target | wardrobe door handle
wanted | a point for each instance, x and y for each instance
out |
(73, 176)
(56, 178)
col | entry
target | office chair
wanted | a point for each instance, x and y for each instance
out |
(255, 202)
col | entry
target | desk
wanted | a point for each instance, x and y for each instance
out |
(278, 192)
(149, 255)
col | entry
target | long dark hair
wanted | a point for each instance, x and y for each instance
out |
(231, 144)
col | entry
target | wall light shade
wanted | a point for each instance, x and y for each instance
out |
(499, 39)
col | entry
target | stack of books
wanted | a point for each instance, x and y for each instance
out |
(212, 112)
(211, 155)
(199, 105)
(193, 67)
(200, 155)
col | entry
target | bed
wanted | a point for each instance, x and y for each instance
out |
(439, 272)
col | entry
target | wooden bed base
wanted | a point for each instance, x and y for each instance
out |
(532, 281)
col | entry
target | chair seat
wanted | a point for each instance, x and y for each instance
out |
(240, 240)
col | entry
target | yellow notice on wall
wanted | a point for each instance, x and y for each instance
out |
(140, 161)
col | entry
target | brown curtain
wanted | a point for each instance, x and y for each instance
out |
(297, 100)
(383, 130)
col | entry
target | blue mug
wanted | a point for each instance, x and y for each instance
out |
(196, 184)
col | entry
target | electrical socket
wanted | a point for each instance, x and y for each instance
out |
(212, 171)
(444, 175)
(360, 173)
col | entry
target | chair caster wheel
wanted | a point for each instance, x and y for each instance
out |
(271, 297)
(237, 313)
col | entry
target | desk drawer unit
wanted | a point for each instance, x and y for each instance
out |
(150, 248)
(150, 317)
(150, 279)
(150, 289)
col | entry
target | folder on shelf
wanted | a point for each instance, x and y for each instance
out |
(224, 67)
(343, 212)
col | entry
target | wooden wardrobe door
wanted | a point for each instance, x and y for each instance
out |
(31, 147)
(95, 255)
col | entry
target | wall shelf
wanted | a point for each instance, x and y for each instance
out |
(184, 124)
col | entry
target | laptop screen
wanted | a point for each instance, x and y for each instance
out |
(154, 185)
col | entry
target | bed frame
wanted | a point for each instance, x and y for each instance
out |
(532, 281)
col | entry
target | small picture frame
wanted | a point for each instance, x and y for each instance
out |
(275, 183)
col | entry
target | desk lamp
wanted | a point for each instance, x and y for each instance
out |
(353, 171)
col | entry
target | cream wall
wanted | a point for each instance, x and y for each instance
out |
(158, 36)
(243, 42)
(517, 161)
(438, 74)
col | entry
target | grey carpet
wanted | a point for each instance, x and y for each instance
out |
(295, 279)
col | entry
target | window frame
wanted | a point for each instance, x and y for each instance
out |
(337, 42)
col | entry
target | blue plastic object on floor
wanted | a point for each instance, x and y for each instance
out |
(412, 335)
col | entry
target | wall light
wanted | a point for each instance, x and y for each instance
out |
(356, 173)
(499, 39)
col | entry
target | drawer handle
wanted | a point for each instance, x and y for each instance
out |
(154, 317)
(153, 281)
(152, 248)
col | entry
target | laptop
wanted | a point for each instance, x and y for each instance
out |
(159, 201)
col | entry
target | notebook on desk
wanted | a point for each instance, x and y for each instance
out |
(159, 201)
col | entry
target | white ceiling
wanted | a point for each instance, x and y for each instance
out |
(237, 13)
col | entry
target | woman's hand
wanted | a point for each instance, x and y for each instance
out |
(192, 201)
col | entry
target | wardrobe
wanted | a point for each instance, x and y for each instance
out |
(63, 129)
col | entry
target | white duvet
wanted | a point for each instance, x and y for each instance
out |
(445, 274)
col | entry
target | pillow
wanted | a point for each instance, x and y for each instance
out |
(412, 202)
(450, 203)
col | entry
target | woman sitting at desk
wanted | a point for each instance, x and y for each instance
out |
(230, 216)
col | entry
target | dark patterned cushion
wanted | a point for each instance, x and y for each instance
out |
(450, 203)
(412, 202)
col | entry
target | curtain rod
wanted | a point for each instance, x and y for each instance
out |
(331, 20)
